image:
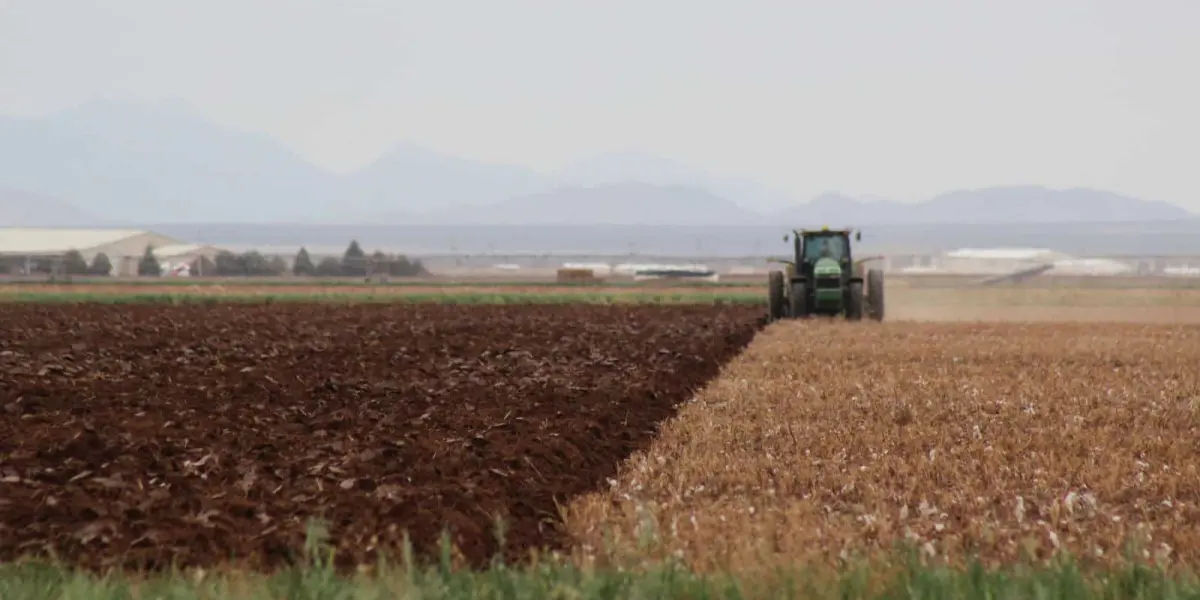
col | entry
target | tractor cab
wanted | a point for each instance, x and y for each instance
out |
(813, 246)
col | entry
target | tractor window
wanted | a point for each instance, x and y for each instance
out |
(832, 246)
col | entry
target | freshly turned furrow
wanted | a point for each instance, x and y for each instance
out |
(141, 436)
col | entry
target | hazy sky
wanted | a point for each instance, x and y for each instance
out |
(899, 99)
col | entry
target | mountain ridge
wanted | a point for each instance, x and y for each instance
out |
(169, 164)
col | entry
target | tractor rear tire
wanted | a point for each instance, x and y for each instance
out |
(875, 294)
(798, 301)
(854, 304)
(776, 301)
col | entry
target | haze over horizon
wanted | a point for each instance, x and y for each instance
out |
(859, 97)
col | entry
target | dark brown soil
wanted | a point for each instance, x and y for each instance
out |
(145, 436)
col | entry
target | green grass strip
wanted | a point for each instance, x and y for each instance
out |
(560, 581)
(359, 282)
(386, 298)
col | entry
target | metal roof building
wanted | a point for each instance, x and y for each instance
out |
(124, 247)
(185, 251)
(1001, 261)
(1004, 254)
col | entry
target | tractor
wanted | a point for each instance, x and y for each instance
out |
(824, 279)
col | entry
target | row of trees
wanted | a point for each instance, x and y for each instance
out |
(353, 263)
(356, 263)
(72, 263)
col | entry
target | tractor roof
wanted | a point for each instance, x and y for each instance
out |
(824, 231)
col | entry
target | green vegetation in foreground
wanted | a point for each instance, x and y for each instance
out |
(134, 297)
(560, 581)
(317, 578)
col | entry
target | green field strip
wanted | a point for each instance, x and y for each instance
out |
(386, 298)
(360, 282)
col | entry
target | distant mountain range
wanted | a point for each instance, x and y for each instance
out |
(111, 163)
(990, 206)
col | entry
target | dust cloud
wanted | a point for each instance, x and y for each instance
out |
(1043, 305)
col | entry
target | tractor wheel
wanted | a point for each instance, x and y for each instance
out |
(799, 301)
(776, 302)
(854, 304)
(875, 294)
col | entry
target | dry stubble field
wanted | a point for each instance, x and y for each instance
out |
(1005, 441)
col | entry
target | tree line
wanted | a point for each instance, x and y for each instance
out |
(353, 263)
(71, 263)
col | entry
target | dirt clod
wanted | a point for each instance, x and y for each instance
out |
(146, 436)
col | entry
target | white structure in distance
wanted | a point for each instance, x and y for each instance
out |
(999, 261)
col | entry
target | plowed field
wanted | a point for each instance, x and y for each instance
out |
(147, 435)
(828, 440)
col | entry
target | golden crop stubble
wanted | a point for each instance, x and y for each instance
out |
(1007, 441)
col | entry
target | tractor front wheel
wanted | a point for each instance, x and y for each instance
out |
(799, 301)
(776, 301)
(854, 303)
(875, 294)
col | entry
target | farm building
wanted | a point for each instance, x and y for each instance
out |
(123, 247)
(178, 258)
(995, 261)
(1001, 261)
(1091, 266)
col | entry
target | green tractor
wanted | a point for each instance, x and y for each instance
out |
(824, 279)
